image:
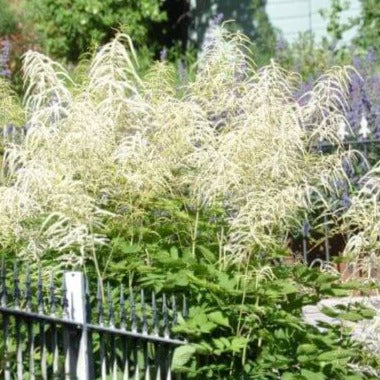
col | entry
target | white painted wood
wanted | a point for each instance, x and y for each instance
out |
(76, 297)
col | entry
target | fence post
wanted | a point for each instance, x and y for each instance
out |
(77, 309)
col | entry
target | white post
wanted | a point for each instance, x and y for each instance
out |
(76, 297)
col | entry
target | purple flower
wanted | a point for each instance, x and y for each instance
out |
(356, 62)
(209, 38)
(182, 71)
(348, 168)
(217, 20)
(281, 44)
(371, 56)
(5, 58)
(346, 201)
(299, 95)
(9, 131)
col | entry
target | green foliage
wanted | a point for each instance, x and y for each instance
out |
(10, 105)
(71, 29)
(351, 313)
(258, 332)
(310, 58)
(8, 22)
(369, 26)
(335, 27)
(244, 321)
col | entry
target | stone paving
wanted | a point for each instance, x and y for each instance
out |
(365, 330)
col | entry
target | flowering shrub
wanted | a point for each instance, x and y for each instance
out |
(69, 31)
(360, 219)
(194, 188)
(311, 59)
(233, 138)
(364, 110)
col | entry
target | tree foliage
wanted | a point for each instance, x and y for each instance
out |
(369, 26)
(335, 27)
(69, 29)
(8, 22)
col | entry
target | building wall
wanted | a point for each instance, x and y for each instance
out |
(294, 16)
(248, 16)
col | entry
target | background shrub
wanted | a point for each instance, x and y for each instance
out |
(69, 29)
(8, 21)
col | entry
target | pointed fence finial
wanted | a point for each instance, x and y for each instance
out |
(53, 299)
(16, 286)
(123, 316)
(165, 316)
(155, 314)
(99, 303)
(111, 313)
(28, 290)
(133, 311)
(174, 311)
(144, 322)
(40, 296)
(4, 291)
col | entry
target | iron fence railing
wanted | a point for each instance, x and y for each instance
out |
(66, 333)
(329, 245)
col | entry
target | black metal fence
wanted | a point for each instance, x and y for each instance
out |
(66, 333)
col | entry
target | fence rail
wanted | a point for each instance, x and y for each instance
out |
(55, 335)
(332, 246)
